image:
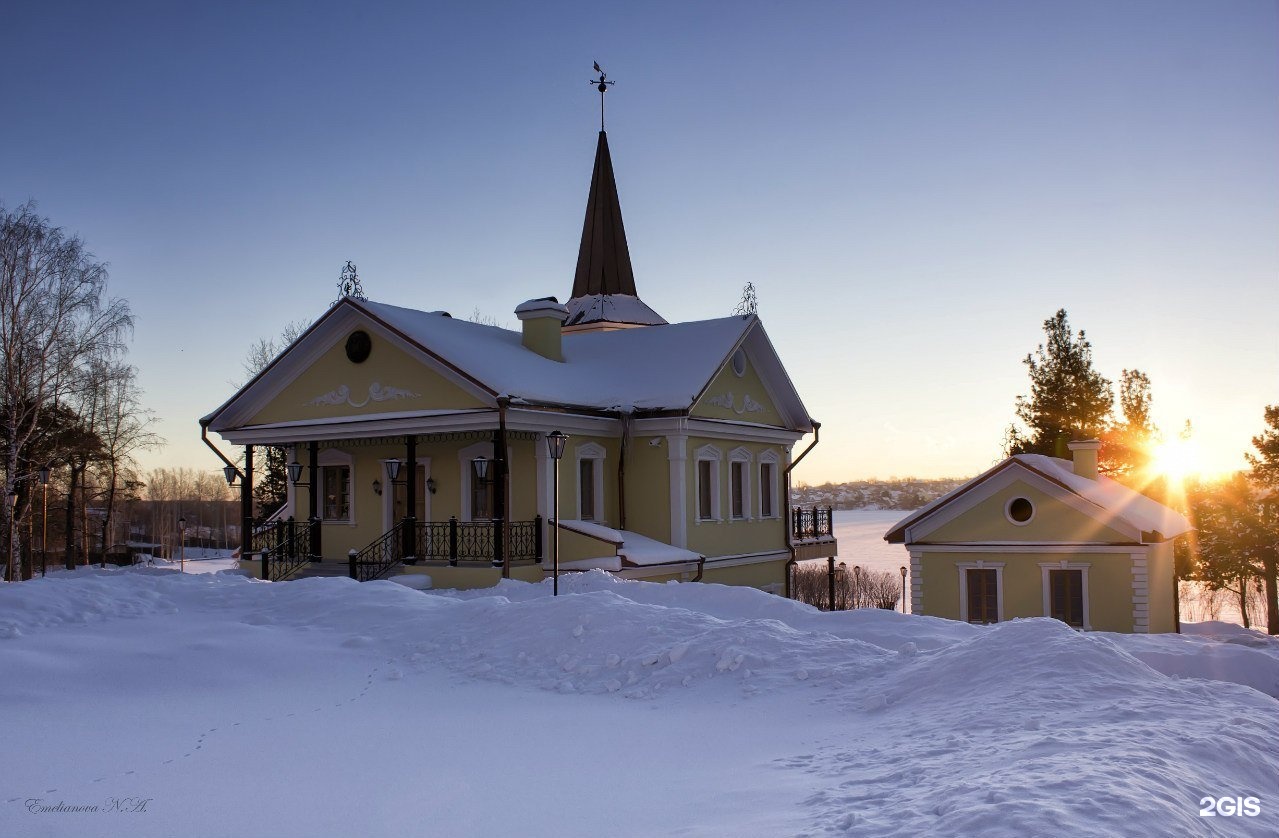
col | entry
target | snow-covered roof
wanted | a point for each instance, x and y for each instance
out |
(655, 368)
(632, 547)
(611, 308)
(1110, 497)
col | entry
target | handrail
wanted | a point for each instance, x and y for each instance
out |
(818, 522)
(284, 552)
(378, 558)
(467, 542)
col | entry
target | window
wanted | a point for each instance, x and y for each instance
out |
(768, 485)
(336, 493)
(586, 489)
(1066, 596)
(707, 459)
(737, 489)
(705, 485)
(482, 490)
(983, 595)
(739, 363)
(1020, 511)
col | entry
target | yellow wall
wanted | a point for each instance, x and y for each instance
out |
(648, 489)
(1159, 568)
(1110, 605)
(569, 478)
(748, 384)
(386, 366)
(756, 575)
(1053, 521)
(727, 536)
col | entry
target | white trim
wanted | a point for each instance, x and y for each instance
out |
(770, 458)
(709, 454)
(963, 568)
(336, 458)
(677, 465)
(743, 456)
(737, 559)
(717, 428)
(1023, 547)
(1141, 591)
(591, 451)
(1064, 564)
(916, 582)
(542, 457)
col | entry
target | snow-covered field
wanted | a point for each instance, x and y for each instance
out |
(215, 705)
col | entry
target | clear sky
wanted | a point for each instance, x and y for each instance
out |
(913, 187)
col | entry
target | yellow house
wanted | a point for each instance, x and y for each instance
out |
(1039, 536)
(418, 442)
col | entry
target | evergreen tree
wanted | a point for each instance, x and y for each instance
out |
(1128, 447)
(1067, 396)
(1265, 471)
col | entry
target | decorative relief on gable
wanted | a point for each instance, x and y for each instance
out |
(377, 393)
(728, 402)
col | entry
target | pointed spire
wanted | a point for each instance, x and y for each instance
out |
(603, 260)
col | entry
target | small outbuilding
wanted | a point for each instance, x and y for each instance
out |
(1040, 536)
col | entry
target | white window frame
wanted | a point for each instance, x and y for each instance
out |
(596, 452)
(981, 564)
(1065, 564)
(335, 457)
(711, 454)
(746, 458)
(769, 458)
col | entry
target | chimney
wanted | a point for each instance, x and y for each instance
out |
(1084, 454)
(542, 319)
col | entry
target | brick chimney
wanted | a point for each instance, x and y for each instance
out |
(542, 319)
(1084, 455)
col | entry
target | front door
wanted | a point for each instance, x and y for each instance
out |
(395, 502)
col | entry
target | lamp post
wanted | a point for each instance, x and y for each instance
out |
(44, 512)
(903, 571)
(182, 542)
(555, 442)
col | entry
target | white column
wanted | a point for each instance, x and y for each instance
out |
(677, 455)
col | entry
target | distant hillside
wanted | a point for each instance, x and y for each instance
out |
(875, 494)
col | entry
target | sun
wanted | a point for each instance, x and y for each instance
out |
(1176, 459)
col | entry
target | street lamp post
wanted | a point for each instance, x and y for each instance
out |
(903, 570)
(555, 442)
(44, 526)
(182, 542)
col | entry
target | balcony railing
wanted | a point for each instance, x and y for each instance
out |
(818, 522)
(476, 542)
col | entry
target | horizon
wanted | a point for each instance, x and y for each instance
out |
(912, 190)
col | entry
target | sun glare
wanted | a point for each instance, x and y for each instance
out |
(1177, 459)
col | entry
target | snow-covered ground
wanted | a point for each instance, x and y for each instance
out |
(216, 705)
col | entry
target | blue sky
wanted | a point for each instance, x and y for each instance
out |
(913, 187)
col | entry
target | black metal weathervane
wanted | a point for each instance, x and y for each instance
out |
(601, 84)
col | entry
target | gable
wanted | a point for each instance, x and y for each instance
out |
(738, 397)
(314, 380)
(1058, 516)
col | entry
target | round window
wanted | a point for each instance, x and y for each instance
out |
(739, 363)
(1020, 510)
(358, 347)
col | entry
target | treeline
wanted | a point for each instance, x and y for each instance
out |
(905, 494)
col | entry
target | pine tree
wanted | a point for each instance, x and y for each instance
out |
(1067, 396)
(1128, 446)
(1265, 471)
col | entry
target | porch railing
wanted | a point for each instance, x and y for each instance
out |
(474, 542)
(284, 546)
(818, 522)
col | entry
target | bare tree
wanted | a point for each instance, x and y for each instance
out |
(122, 426)
(54, 314)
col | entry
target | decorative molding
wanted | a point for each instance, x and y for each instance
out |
(727, 401)
(377, 393)
(980, 564)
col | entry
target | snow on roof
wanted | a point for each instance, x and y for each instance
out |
(1130, 506)
(631, 546)
(611, 308)
(655, 368)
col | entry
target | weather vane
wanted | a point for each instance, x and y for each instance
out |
(601, 84)
(349, 283)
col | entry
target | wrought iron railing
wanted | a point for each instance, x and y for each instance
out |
(474, 542)
(379, 557)
(285, 547)
(818, 522)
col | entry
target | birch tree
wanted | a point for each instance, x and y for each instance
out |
(54, 314)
